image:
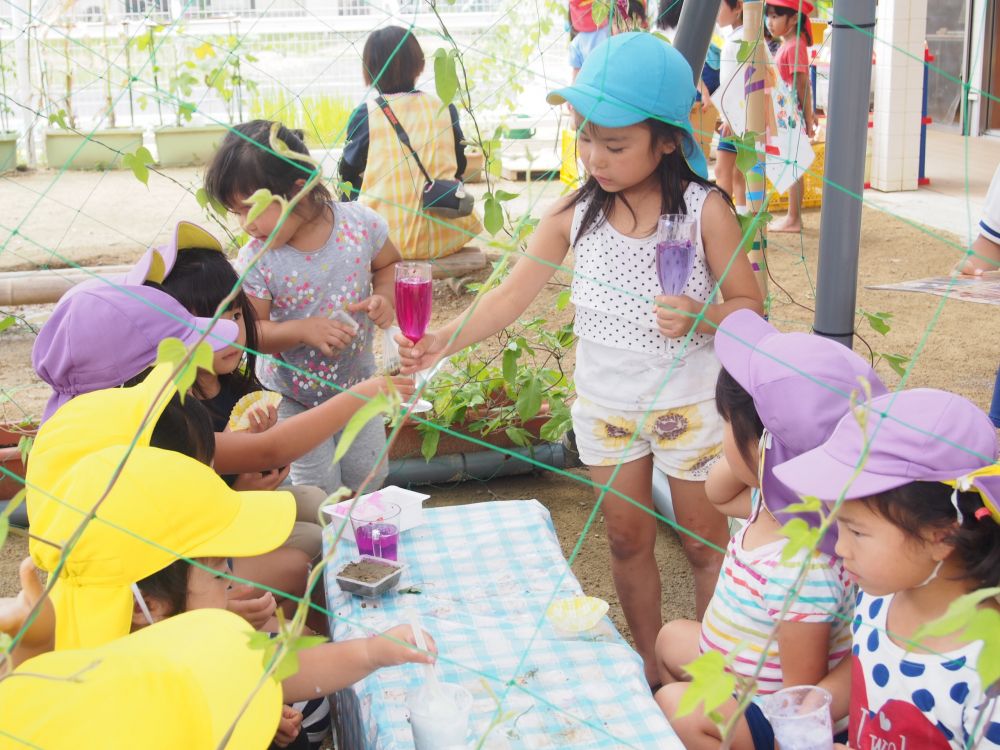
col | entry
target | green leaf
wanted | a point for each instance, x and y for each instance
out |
(711, 685)
(380, 404)
(562, 299)
(289, 664)
(746, 152)
(59, 119)
(807, 504)
(503, 195)
(557, 425)
(174, 351)
(5, 516)
(985, 627)
(879, 321)
(186, 109)
(204, 50)
(7, 322)
(260, 201)
(958, 615)
(492, 215)
(897, 362)
(24, 446)
(429, 445)
(529, 400)
(445, 75)
(510, 365)
(800, 537)
(137, 162)
(599, 11)
(745, 51)
(519, 436)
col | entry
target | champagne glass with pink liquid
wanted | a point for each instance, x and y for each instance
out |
(676, 245)
(413, 307)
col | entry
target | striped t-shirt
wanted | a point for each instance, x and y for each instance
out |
(748, 599)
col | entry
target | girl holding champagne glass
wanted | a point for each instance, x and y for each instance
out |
(631, 102)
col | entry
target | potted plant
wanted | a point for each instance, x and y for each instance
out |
(8, 136)
(15, 442)
(71, 147)
(185, 143)
(496, 398)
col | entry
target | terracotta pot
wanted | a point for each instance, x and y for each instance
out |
(10, 457)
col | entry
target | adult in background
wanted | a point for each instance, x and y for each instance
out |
(382, 171)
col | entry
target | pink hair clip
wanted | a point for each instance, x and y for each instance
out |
(982, 513)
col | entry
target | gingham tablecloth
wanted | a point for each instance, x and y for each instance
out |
(485, 574)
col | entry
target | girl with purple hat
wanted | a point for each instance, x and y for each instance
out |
(913, 481)
(780, 395)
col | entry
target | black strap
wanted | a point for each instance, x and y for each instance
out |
(400, 133)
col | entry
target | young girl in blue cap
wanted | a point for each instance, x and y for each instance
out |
(918, 528)
(631, 100)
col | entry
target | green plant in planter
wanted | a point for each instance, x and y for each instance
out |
(483, 394)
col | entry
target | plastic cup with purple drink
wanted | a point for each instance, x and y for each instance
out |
(376, 529)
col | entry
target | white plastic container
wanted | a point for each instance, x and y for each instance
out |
(410, 504)
(440, 722)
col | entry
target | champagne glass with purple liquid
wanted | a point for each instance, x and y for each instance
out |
(413, 307)
(676, 245)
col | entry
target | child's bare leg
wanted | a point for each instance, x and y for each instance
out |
(632, 538)
(793, 219)
(725, 167)
(695, 514)
(677, 645)
(695, 730)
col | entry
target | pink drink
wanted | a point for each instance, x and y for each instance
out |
(413, 306)
(378, 540)
(674, 262)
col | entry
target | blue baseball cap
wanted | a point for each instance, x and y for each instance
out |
(630, 78)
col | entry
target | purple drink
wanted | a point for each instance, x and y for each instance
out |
(674, 261)
(378, 539)
(413, 306)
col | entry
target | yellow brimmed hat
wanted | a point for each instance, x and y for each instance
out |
(180, 683)
(163, 505)
(97, 420)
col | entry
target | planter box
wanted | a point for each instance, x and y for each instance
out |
(188, 145)
(409, 440)
(103, 150)
(10, 458)
(8, 151)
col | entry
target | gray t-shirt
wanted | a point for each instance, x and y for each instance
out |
(316, 284)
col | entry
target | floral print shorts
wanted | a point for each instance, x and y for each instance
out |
(684, 440)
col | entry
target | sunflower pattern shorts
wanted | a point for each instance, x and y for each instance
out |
(684, 440)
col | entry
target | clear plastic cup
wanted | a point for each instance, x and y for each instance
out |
(800, 718)
(376, 529)
(440, 722)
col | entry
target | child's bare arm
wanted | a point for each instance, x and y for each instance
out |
(330, 667)
(728, 494)
(292, 438)
(499, 307)
(804, 649)
(838, 683)
(40, 635)
(326, 335)
(381, 305)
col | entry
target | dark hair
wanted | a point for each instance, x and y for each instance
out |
(731, 3)
(183, 427)
(669, 16)
(245, 163)
(801, 23)
(915, 507)
(673, 171)
(635, 11)
(736, 406)
(171, 584)
(201, 278)
(392, 59)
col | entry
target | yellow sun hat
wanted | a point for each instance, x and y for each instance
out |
(180, 683)
(96, 420)
(162, 506)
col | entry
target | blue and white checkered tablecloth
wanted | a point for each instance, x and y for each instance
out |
(485, 574)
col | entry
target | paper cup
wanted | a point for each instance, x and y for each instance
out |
(440, 723)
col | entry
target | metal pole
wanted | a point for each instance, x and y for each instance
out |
(22, 67)
(844, 175)
(694, 32)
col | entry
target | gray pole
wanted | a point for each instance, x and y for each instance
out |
(846, 133)
(694, 32)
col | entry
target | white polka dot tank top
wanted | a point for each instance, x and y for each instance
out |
(615, 281)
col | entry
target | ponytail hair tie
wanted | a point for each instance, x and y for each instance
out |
(982, 513)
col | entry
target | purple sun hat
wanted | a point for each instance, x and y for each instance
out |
(102, 336)
(801, 385)
(920, 435)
